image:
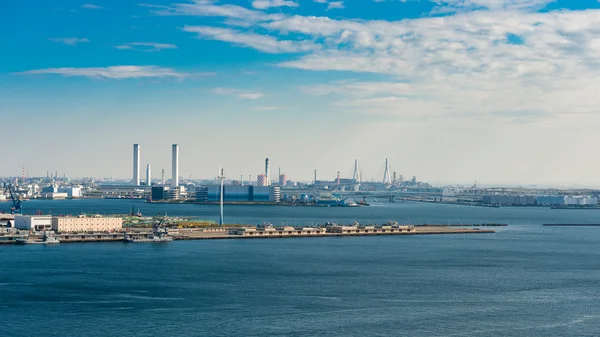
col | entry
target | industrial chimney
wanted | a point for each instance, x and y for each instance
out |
(268, 172)
(148, 175)
(136, 164)
(175, 167)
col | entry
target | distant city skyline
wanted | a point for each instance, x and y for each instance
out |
(452, 91)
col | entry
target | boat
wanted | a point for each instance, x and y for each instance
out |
(26, 240)
(47, 239)
(151, 238)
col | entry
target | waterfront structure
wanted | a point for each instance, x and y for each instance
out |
(82, 223)
(541, 200)
(338, 229)
(283, 180)
(261, 180)
(165, 193)
(148, 175)
(175, 166)
(581, 200)
(550, 200)
(266, 193)
(509, 200)
(136, 164)
(236, 193)
(277, 231)
(269, 230)
(30, 222)
(201, 194)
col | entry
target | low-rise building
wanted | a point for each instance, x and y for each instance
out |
(67, 224)
(54, 195)
(33, 222)
(509, 200)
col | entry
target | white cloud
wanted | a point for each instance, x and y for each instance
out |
(507, 61)
(115, 72)
(331, 5)
(207, 8)
(335, 5)
(238, 93)
(263, 43)
(71, 41)
(266, 4)
(90, 6)
(146, 46)
(462, 5)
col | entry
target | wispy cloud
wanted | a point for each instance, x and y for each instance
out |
(335, 5)
(253, 95)
(266, 4)
(91, 6)
(146, 46)
(71, 41)
(207, 8)
(331, 4)
(469, 5)
(490, 57)
(115, 72)
(263, 43)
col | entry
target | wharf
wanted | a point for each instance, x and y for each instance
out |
(224, 234)
(250, 232)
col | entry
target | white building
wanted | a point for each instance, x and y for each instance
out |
(86, 224)
(72, 192)
(33, 222)
(581, 200)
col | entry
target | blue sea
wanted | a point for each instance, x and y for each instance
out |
(524, 280)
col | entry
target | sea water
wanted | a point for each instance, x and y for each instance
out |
(524, 280)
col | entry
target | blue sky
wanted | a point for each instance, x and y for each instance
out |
(497, 91)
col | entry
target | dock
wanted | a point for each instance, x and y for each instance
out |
(249, 232)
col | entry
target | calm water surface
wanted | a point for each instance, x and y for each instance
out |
(525, 280)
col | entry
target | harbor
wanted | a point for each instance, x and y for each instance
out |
(246, 232)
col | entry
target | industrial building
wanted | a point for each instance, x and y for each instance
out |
(55, 192)
(581, 200)
(261, 180)
(86, 224)
(540, 200)
(165, 193)
(550, 200)
(236, 193)
(509, 200)
(33, 222)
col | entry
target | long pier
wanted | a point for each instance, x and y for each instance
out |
(249, 232)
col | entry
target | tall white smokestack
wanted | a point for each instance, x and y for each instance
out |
(175, 168)
(148, 175)
(268, 172)
(136, 164)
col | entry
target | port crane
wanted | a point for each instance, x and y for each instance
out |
(16, 203)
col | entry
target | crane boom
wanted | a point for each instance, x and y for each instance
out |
(16, 203)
